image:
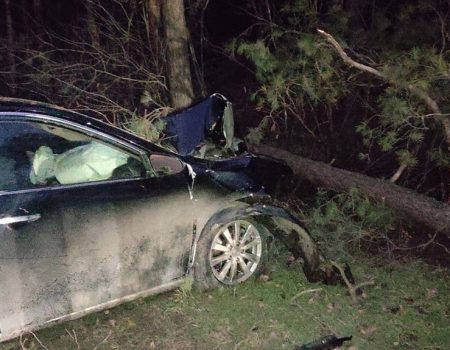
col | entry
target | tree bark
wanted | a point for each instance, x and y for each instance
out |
(154, 32)
(92, 24)
(177, 53)
(10, 49)
(153, 10)
(38, 22)
(37, 9)
(410, 205)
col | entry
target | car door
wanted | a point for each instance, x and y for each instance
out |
(84, 222)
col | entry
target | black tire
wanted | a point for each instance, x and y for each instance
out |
(208, 276)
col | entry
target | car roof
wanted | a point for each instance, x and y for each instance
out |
(8, 104)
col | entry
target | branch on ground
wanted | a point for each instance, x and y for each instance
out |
(352, 289)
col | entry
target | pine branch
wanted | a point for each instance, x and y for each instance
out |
(421, 94)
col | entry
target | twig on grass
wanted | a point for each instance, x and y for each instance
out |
(352, 289)
(239, 344)
(74, 337)
(313, 290)
(23, 342)
(38, 340)
(104, 340)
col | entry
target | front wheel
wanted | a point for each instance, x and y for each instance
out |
(231, 253)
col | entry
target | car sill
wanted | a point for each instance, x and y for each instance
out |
(109, 304)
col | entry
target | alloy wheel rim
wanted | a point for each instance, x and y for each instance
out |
(235, 252)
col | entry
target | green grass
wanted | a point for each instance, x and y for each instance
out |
(407, 308)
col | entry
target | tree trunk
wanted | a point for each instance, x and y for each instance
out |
(10, 49)
(92, 24)
(410, 205)
(153, 10)
(38, 22)
(177, 53)
(37, 9)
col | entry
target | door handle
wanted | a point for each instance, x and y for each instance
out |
(17, 219)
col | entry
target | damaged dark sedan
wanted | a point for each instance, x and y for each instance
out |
(92, 216)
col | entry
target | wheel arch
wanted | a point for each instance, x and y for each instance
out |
(281, 224)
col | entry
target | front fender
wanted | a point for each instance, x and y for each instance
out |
(280, 223)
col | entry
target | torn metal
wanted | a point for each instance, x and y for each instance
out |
(75, 244)
(192, 175)
(204, 129)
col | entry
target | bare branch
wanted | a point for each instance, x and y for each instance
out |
(347, 58)
(105, 77)
(398, 173)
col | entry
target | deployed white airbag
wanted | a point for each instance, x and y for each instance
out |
(91, 162)
(43, 167)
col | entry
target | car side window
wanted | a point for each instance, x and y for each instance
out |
(36, 154)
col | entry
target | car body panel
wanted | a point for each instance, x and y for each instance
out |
(88, 248)
(96, 244)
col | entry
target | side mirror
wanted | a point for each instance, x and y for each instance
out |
(166, 165)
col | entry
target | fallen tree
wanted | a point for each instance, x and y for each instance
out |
(408, 204)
